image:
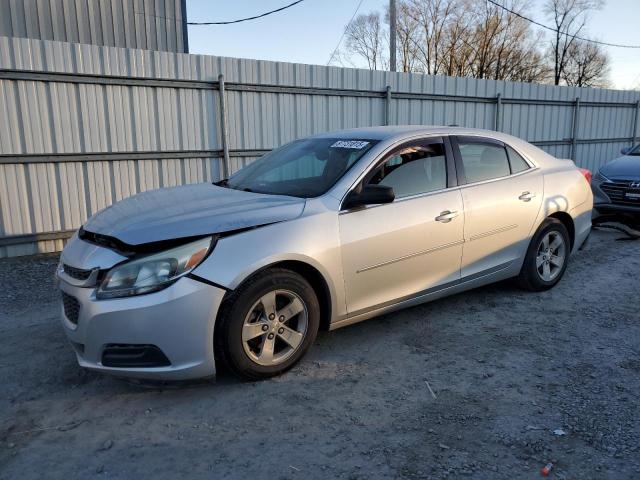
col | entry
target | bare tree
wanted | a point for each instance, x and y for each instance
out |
(475, 38)
(365, 36)
(478, 39)
(524, 65)
(435, 18)
(485, 38)
(407, 37)
(587, 66)
(570, 18)
(458, 51)
(508, 46)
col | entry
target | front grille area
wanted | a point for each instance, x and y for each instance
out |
(133, 356)
(71, 307)
(77, 273)
(617, 191)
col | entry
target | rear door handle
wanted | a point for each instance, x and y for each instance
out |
(446, 216)
(526, 196)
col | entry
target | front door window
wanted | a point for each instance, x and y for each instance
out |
(414, 170)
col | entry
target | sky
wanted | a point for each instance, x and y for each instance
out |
(309, 32)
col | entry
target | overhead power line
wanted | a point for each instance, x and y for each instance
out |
(248, 18)
(607, 44)
(333, 54)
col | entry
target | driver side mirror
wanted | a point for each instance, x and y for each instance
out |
(625, 150)
(369, 195)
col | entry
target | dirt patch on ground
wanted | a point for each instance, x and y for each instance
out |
(507, 368)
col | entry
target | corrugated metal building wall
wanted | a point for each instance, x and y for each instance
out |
(83, 126)
(145, 24)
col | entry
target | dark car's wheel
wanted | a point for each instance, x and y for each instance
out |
(267, 324)
(547, 257)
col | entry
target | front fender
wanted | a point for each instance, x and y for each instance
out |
(313, 240)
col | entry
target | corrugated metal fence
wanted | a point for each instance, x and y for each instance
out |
(148, 24)
(83, 126)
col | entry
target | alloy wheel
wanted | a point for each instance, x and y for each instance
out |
(275, 327)
(551, 256)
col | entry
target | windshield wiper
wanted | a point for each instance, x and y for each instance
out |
(225, 184)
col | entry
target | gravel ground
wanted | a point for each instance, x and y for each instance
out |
(507, 369)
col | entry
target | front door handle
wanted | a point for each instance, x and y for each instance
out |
(526, 196)
(446, 216)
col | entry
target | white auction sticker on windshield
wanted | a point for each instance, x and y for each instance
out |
(357, 144)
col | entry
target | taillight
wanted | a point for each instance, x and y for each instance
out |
(587, 174)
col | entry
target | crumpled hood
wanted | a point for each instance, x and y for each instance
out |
(188, 211)
(627, 167)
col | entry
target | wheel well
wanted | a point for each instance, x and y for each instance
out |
(318, 283)
(567, 221)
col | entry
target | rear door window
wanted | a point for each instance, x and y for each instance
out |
(483, 161)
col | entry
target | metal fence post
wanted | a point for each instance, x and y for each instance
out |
(223, 128)
(387, 119)
(634, 134)
(574, 128)
(498, 125)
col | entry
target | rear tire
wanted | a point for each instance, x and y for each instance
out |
(267, 324)
(547, 257)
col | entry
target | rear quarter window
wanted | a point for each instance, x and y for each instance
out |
(518, 164)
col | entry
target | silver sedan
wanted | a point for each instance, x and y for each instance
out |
(321, 233)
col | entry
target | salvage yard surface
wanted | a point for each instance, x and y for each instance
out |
(493, 383)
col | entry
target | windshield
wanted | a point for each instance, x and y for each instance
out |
(635, 151)
(304, 168)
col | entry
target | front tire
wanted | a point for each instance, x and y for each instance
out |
(267, 324)
(547, 257)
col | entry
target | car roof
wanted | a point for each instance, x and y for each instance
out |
(397, 132)
(394, 133)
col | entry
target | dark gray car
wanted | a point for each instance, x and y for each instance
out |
(616, 186)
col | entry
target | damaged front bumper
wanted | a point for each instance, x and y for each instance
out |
(165, 335)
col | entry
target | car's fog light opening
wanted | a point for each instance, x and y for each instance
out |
(71, 307)
(133, 356)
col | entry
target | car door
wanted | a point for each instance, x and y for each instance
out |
(397, 250)
(502, 194)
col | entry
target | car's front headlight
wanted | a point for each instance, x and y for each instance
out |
(153, 272)
(600, 178)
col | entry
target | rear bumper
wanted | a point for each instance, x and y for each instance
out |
(582, 224)
(177, 321)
